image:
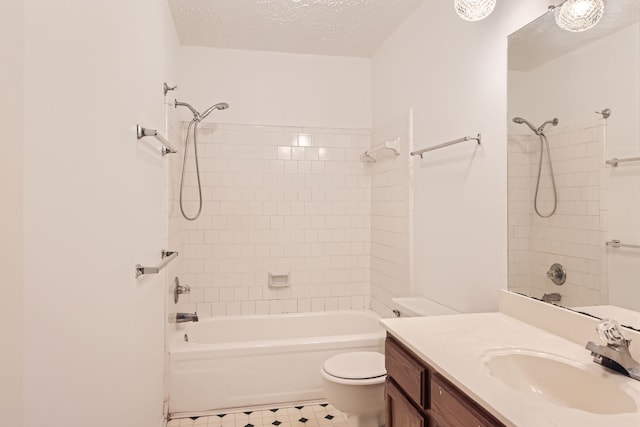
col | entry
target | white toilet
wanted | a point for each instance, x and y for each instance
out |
(354, 383)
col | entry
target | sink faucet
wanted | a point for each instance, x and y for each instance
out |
(615, 355)
(186, 317)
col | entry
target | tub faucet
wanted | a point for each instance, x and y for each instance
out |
(552, 297)
(615, 355)
(186, 317)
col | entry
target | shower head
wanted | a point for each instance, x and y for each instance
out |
(520, 120)
(196, 115)
(219, 106)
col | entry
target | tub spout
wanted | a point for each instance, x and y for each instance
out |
(186, 317)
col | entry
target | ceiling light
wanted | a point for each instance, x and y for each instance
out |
(474, 10)
(579, 15)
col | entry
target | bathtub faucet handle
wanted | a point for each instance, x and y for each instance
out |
(179, 289)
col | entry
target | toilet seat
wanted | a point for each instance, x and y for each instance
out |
(356, 366)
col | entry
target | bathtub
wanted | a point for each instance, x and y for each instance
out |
(245, 361)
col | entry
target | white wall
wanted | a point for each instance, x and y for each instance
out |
(268, 88)
(93, 208)
(11, 117)
(453, 74)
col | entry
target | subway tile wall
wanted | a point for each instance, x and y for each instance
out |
(574, 236)
(281, 200)
(391, 213)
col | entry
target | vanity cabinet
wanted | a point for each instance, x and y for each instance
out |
(418, 396)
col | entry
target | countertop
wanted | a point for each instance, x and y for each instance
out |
(457, 347)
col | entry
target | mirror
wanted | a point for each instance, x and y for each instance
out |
(561, 254)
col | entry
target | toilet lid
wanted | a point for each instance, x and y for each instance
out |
(356, 365)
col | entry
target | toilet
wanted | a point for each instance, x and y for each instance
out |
(353, 382)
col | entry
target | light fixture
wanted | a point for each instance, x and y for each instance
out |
(579, 15)
(474, 10)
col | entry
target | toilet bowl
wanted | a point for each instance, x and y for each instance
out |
(354, 383)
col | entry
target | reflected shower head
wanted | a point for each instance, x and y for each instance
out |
(520, 120)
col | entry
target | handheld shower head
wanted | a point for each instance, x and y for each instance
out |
(218, 106)
(196, 115)
(520, 120)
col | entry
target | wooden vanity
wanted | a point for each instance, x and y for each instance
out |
(418, 396)
(449, 370)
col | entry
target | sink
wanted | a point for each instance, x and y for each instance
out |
(561, 381)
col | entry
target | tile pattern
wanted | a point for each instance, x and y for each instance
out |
(573, 236)
(320, 415)
(391, 212)
(280, 200)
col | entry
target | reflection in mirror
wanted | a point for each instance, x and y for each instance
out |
(565, 201)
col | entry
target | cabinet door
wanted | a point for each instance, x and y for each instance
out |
(451, 408)
(407, 373)
(400, 412)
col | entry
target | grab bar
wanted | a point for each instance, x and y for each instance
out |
(614, 162)
(167, 148)
(167, 257)
(446, 144)
(619, 244)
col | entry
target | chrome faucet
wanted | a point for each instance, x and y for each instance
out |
(552, 297)
(615, 355)
(186, 317)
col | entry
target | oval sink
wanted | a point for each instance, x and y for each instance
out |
(560, 381)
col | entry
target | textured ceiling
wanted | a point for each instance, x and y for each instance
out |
(324, 27)
(542, 40)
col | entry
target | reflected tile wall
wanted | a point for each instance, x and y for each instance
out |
(574, 236)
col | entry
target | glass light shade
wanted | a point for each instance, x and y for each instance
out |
(474, 10)
(579, 15)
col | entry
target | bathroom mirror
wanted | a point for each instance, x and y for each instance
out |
(567, 205)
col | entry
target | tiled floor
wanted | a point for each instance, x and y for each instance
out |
(318, 415)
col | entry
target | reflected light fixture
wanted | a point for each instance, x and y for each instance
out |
(474, 10)
(579, 15)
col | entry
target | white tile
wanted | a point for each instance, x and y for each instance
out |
(262, 307)
(234, 309)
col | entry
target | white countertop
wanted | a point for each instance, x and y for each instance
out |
(457, 345)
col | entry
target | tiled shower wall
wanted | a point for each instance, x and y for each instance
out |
(391, 213)
(280, 200)
(574, 235)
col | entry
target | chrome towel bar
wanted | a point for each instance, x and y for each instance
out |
(614, 162)
(619, 244)
(446, 144)
(167, 148)
(167, 257)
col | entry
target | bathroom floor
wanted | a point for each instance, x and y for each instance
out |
(314, 415)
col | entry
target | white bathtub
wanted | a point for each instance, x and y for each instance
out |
(258, 360)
